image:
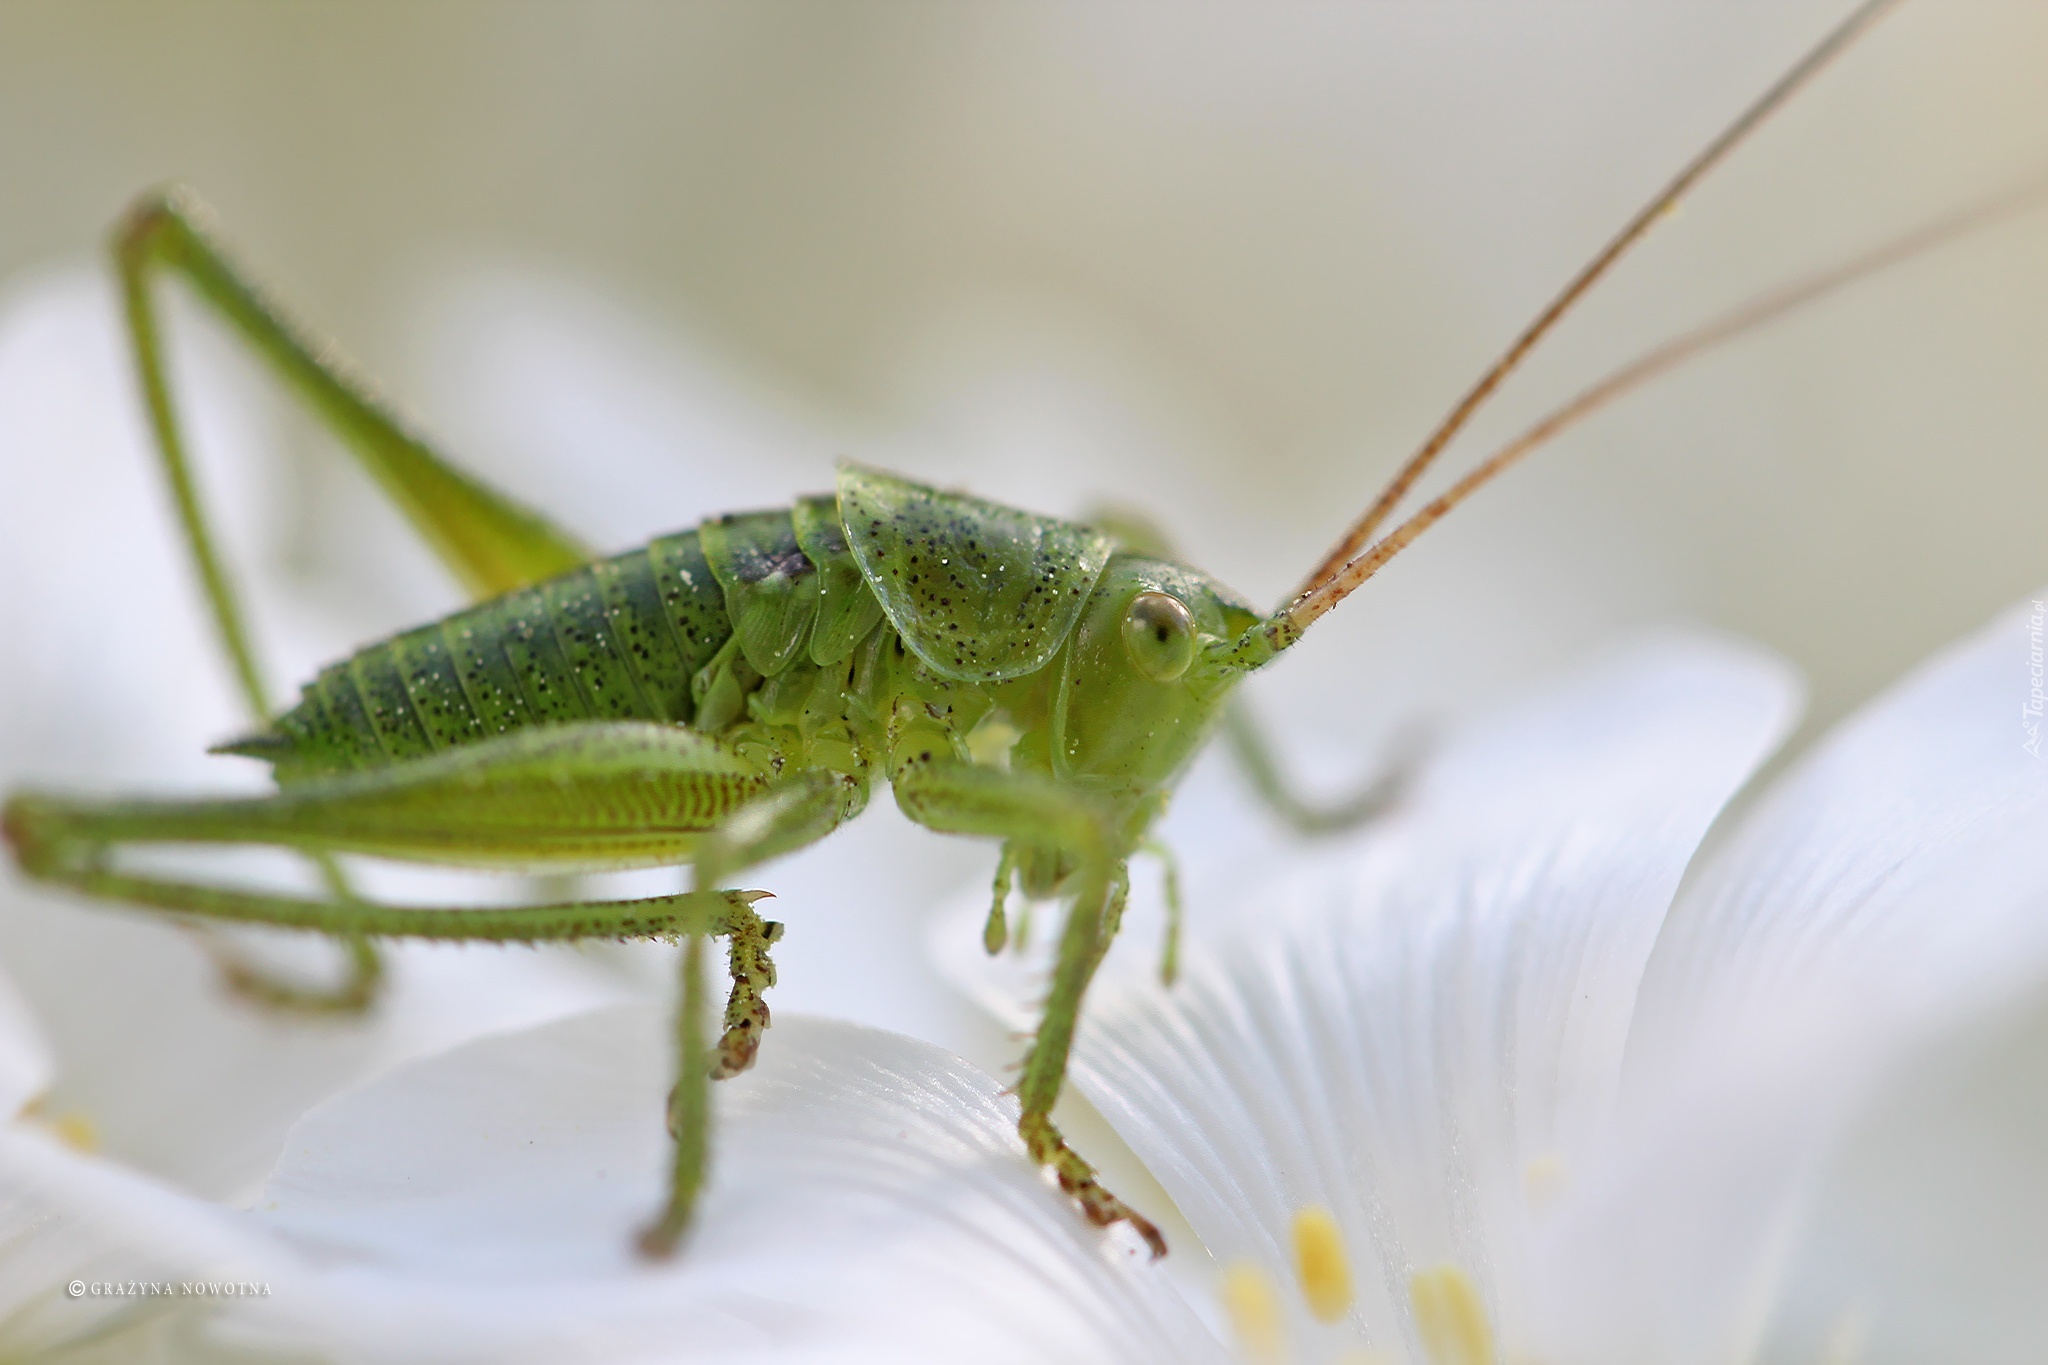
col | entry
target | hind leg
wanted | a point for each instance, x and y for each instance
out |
(593, 794)
(486, 539)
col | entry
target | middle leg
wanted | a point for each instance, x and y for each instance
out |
(1254, 753)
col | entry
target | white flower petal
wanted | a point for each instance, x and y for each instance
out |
(1882, 1198)
(1926, 793)
(25, 1062)
(1891, 887)
(1928, 1237)
(115, 681)
(1412, 1037)
(67, 1217)
(177, 1077)
(111, 663)
(869, 1201)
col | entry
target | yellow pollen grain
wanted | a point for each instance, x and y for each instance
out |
(1254, 1308)
(1450, 1318)
(1320, 1263)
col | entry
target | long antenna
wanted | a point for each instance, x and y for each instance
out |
(1304, 610)
(1844, 33)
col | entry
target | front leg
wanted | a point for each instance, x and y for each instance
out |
(944, 794)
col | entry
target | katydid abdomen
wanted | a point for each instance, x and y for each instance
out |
(648, 635)
(620, 639)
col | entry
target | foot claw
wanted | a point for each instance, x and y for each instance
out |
(657, 1242)
(1077, 1178)
(740, 1043)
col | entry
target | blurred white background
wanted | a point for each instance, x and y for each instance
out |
(1224, 263)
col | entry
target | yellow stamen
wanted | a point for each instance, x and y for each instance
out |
(1255, 1312)
(76, 1131)
(1450, 1317)
(1544, 1179)
(1320, 1263)
(73, 1127)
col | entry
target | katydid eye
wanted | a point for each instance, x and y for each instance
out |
(1159, 635)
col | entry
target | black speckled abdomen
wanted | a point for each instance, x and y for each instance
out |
(619, 639)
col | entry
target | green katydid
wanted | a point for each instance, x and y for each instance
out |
(729, 693)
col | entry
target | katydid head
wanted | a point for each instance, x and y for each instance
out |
(1146, 675)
